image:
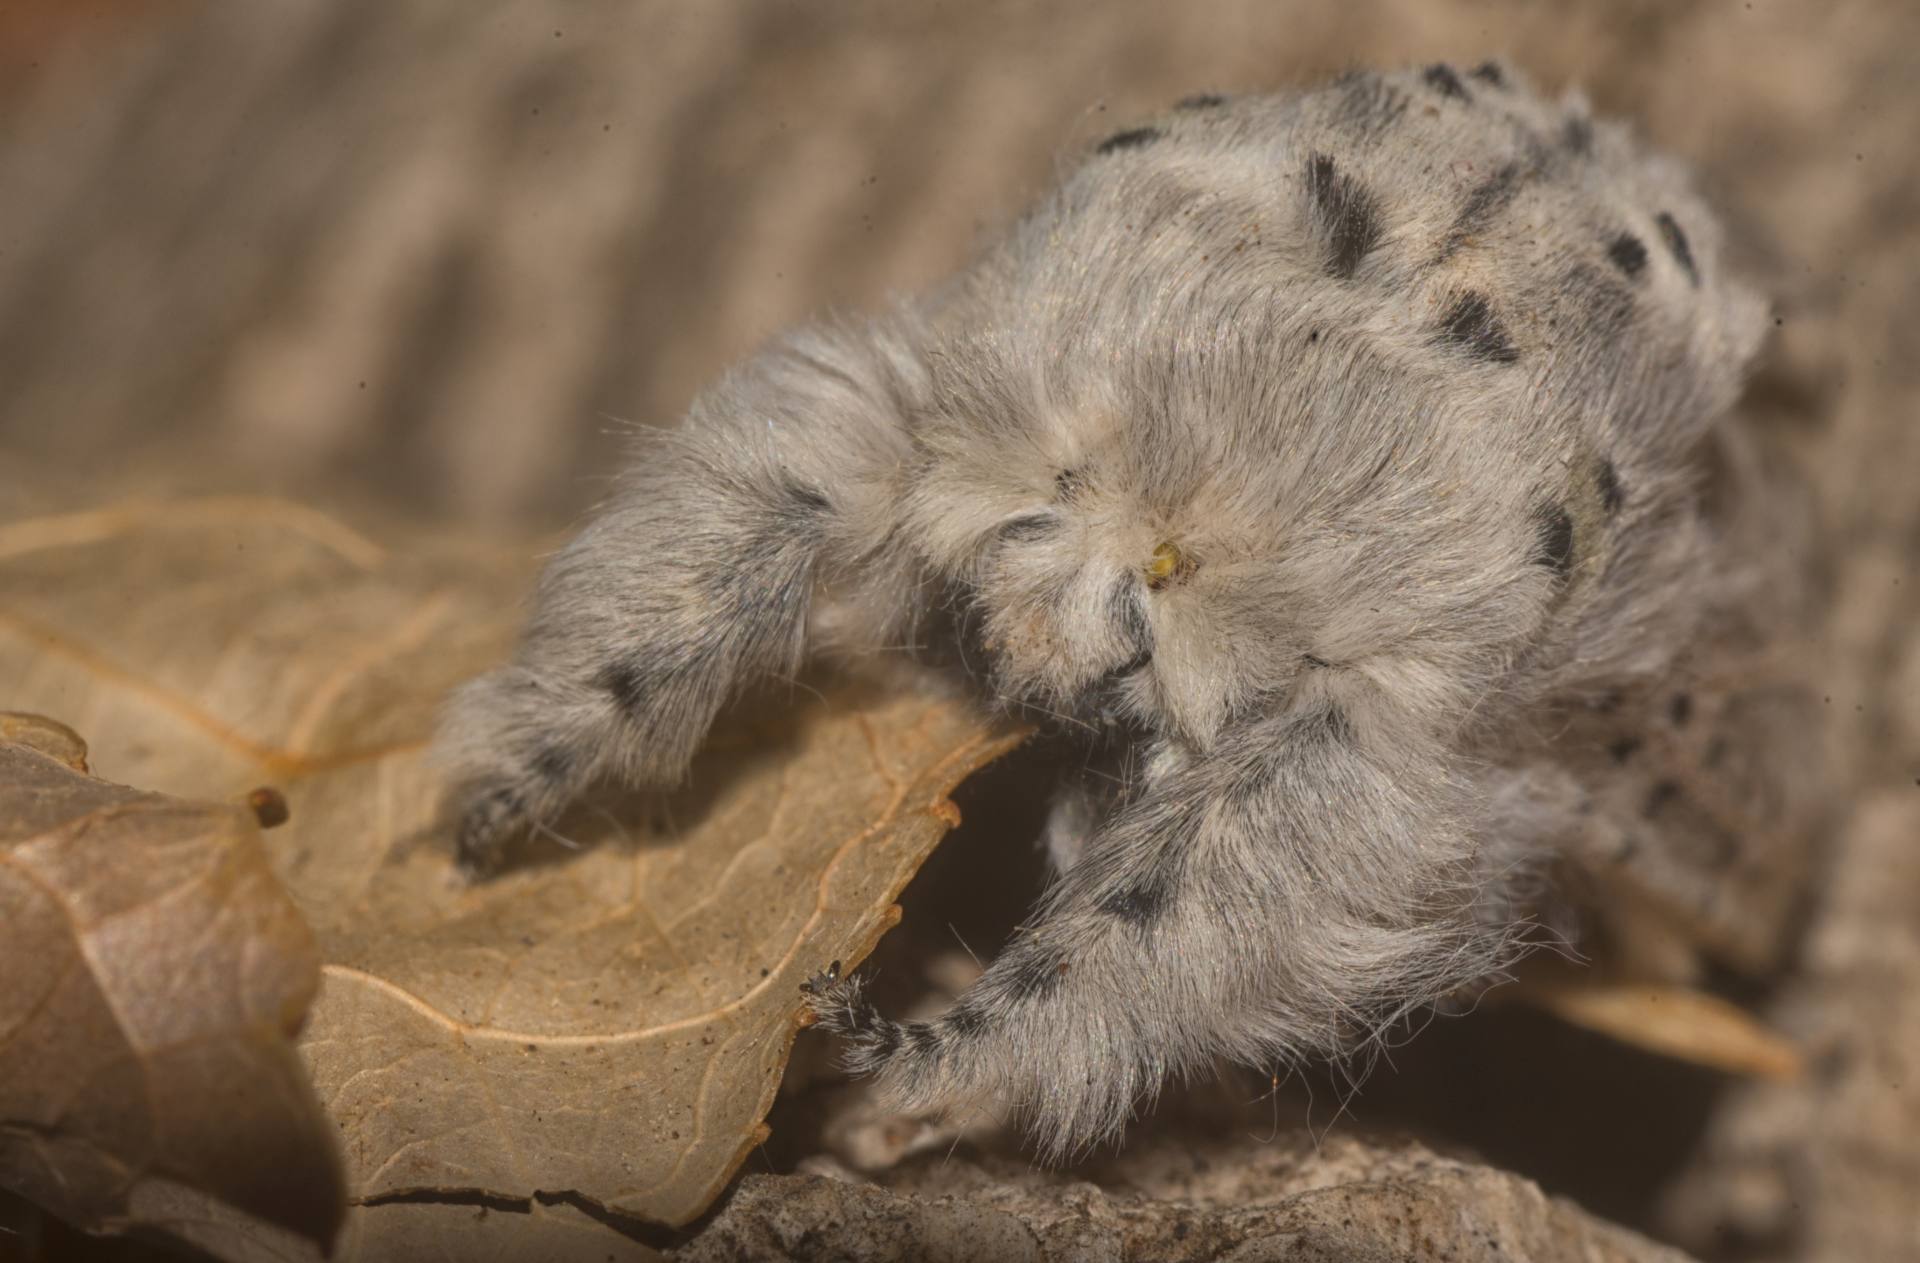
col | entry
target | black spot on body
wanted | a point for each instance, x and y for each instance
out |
(1576, 135)
(1251, 791)
(881, 1036)
(1489, 72)
(1200, 101)
(1348, 214)
(1034, 972)
(805, 502)
(1068, 484)
(1681, 710)
(965, 1020)
(1677, 245)
(920, 1038)
(1553, 546)
(1628, 254)
(1030, 526)
(1371, 103)
(769, 582)
(1623, 749)
(1471, 326)
(1488, 199)
(1130, 613)
(554, 763)
(1662, 793)
(1134, 138)
(1440, 77)
(1140, 902)
(631, 685)
(1612, 494)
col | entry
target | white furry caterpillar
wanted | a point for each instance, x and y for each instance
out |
(1321, 451)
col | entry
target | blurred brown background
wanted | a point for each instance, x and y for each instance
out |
(426, 259)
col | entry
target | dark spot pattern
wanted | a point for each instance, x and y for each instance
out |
(965, 1020)
(1576, 135)
(1680, 710)
(1371, 104)
(1348, 213)
(1030, 526)
(805, 502)
(1141, 902)
(1471, 326)
(1134, 138)
(1200, 101)
(1490, 73)
(1441, 78)
(554, 763)
(882, 1037)
(1068, 484)
(1553, 545)
(1677, 245)
(920, 1039)
(1489, 197)
(1662, 793)
(1128, 611)
(771, 578)
(1034, 971)
(631, 685)
(1623, 749)
(1612, 494)
(1628, 254)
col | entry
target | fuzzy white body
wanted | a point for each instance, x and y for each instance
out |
(1314, 447)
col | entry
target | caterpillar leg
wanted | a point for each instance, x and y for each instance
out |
(1288, 895)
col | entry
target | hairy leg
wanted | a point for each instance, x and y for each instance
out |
(694, 579)
(1291, 893)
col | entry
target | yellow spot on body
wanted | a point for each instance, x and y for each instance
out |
(1166, 561)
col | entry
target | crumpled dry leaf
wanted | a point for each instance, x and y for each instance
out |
(155, 975)
(606, 1026)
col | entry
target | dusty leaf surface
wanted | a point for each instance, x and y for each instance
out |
(607, 1023)
(155, 973)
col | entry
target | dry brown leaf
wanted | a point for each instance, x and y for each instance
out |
(477, 1231)
(608, 1024)
(49, 736)
(155, 975)
(1673, 1021)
